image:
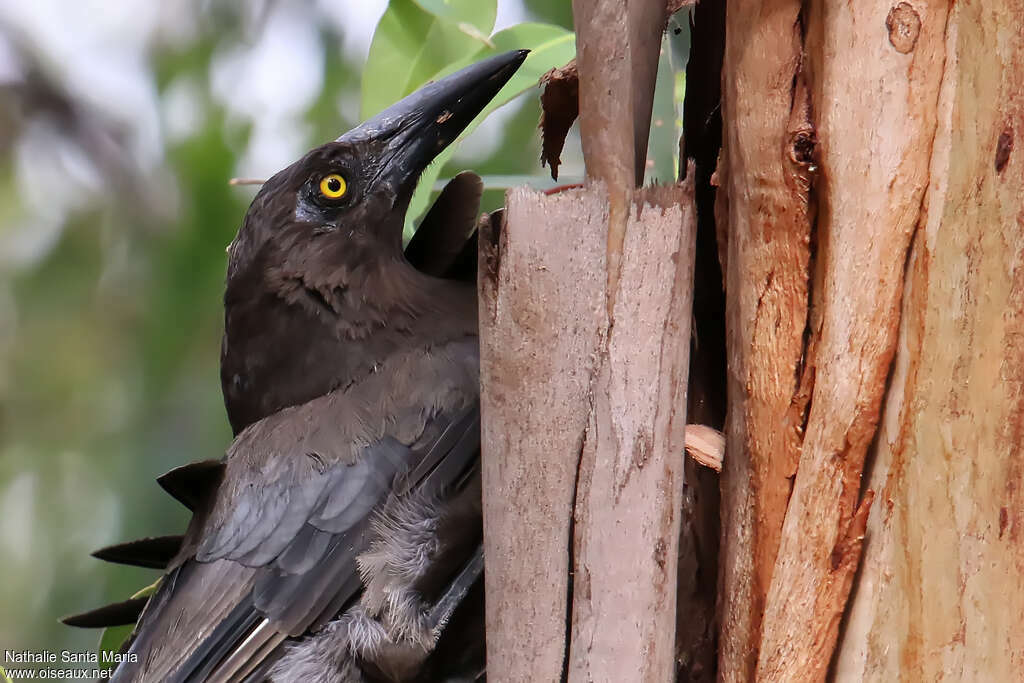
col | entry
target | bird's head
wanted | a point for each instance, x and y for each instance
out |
(348, 198)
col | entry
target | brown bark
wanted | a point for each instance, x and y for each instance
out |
(941, 592)
(766, 236)
(874, 114)
(870, 227)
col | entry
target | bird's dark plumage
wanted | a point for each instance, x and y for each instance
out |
(318, 289)
(151, 553)
(447, 229)
(192, 483)
(114, 614)
(341, 533)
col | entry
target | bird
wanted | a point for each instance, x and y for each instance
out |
(339, 539)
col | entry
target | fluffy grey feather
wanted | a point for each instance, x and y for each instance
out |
(390, 630)
(324, 657)
(405, 545)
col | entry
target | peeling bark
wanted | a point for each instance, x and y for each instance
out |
(763, 179)
(559, 107)
(874, 113)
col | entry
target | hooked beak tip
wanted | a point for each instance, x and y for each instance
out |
(418, 128)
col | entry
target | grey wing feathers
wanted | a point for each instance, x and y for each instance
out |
(277, 539)
(191, 603)
(309, 576)
(297, 602)
(326, 462)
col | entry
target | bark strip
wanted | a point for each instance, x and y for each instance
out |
(941, 590)
(765, 226)
(617, 55)
(541, 312)
(874, 113)
(630, 491)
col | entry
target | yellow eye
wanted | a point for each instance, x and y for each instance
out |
(333, 186)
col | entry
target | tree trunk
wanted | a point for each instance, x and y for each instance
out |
(870, 228)
(584, 426)
(871, 214)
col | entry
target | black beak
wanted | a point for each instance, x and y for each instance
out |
(409, 134)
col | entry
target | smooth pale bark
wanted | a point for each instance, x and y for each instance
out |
(941, 591)
(617, 45)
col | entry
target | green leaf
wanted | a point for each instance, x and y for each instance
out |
(4, 678)
(663, 138)
(148, 590)
(411, 44)
(474, 32)
(549, 46)
(113, 637)
(460, 11)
